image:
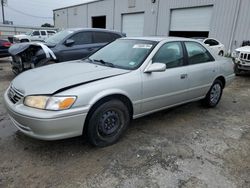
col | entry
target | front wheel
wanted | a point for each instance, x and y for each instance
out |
(107, 123)
(236, 70)
(214, 95)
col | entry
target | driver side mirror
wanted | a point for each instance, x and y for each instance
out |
(69, 42)
(156, 67)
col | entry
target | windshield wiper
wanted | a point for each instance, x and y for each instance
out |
(104, 62)
(91, 60)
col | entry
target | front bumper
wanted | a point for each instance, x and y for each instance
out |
(242, 65)
(46, 125)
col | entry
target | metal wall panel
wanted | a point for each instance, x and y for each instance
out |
(102, 8)
(77, 16)
(61, 18)
(242, 30)
(221, 22)
(191, 19)
(157, 16)
(141, 6)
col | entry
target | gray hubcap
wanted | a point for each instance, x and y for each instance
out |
(109, 123)
(215, 93)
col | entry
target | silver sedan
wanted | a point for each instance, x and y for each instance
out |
(127, 79)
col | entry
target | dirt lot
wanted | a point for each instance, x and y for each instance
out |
(188, 146)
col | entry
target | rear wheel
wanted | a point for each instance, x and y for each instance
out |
(214, 95)
(221, 53)
(107, 123)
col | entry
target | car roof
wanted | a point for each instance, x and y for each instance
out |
(159, 39)
(92, 29)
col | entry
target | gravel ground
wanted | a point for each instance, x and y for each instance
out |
(186, 147)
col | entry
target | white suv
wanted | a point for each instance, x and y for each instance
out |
(241, 57)
(35, 35)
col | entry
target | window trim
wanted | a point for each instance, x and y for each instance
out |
(183, 53)
(187, 58)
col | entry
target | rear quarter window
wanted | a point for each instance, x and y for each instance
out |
(102, 37)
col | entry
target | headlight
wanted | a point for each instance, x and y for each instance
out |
(49, 103)
(235, 54)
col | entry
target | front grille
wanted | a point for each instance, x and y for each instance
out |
(14, 95)
(245, 56)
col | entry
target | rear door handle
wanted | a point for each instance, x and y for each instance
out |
(184, 76)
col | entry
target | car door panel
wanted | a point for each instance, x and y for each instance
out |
(82, 47)
(77, 51)
(201, 70)
(201, 77)
(162, 89)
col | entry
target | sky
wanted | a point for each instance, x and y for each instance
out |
(34, 12)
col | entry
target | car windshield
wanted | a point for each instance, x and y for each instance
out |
(58, 37)
(124, 53)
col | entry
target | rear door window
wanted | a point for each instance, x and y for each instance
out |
(102, 37)
(82, 38)
(197, 53)
(43, 33)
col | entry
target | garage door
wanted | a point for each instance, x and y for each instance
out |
(191, 19)
(133, 24)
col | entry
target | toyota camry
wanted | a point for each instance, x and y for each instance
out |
(127, 79)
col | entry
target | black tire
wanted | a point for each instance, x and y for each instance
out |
(236, 70)
(107, 123)
(214, 94)
(221, 53)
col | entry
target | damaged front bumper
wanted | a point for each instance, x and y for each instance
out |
(18, 65)
(27, 55)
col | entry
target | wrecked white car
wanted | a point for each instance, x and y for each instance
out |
(241, 57)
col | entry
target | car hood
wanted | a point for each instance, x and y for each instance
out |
(243, 49)
(54, 78)
(20, 47)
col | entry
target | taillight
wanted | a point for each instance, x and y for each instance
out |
(6, 44)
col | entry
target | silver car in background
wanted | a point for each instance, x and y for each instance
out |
(127, 79)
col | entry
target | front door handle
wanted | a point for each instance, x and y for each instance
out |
(184, 76)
